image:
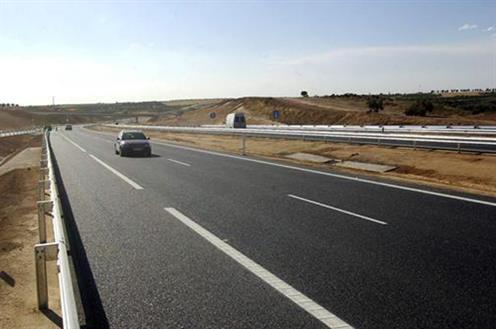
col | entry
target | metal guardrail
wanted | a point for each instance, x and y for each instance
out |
(435, 142)
(438, 129)
(6, 133)
(56, 250)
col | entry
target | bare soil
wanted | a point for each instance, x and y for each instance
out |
(11, 144)
(473, 173)
(18, 235)
(312, 110)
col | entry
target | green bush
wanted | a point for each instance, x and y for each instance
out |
(375, 104)
(420, 108)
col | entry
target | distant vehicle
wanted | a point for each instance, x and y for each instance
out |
(68, 127)
(132, 142)
(236, 120)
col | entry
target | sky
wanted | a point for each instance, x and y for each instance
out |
(116, 51)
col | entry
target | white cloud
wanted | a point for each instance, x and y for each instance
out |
(467, 26)
(490, 28)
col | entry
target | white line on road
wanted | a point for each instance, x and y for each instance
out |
(312, 171)
(117, 173)
(317, 311)
(338, 209)
(73, 143)
(179, 162)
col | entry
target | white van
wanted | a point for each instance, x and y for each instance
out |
(236, 120)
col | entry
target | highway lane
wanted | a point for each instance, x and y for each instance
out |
(151, 271)
(427, 267)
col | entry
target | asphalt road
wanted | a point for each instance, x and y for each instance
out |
(366, 254)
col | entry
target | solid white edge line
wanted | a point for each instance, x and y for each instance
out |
(337, 209)
(361, 180)
(73, 143)
(179, 162)
(312, 171)
(317, 311)
(117, 173)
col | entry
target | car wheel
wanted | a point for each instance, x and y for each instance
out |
(121, 153)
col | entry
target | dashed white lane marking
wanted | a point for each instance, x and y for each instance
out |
(73, 143)
(179, 162)
(117, 173)
(337, 209)
(317, 311)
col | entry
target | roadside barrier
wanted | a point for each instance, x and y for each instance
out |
(6, 133)
(433, 142)
(56, 250)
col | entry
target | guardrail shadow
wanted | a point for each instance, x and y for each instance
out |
(92, 305)
(52, 316)
(7, 278)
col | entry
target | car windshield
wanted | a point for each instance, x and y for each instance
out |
(133, 135)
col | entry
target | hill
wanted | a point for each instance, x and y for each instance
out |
(348, 109)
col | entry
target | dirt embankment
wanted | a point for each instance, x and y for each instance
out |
(351, 110)
(20, 118)
(18, 235)
(473, 173)
(12, 144)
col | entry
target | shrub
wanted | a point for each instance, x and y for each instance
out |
(420, 108)
(375, 104)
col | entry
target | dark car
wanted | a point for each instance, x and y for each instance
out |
(68, 127)
(132, 142)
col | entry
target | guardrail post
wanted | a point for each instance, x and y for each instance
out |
(458, 147)
(43, 208)
(414, 145)
(43, 173)
(43, 253)
(243, 144)
(42, 186)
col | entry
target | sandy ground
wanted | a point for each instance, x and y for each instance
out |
(18, 235)
(469, 172)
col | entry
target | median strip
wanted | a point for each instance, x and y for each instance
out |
(118, 174)
(338, 209)
(317, 311)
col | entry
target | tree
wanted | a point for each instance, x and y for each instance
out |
(304, 93)
(375, 104)
(420, 108)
